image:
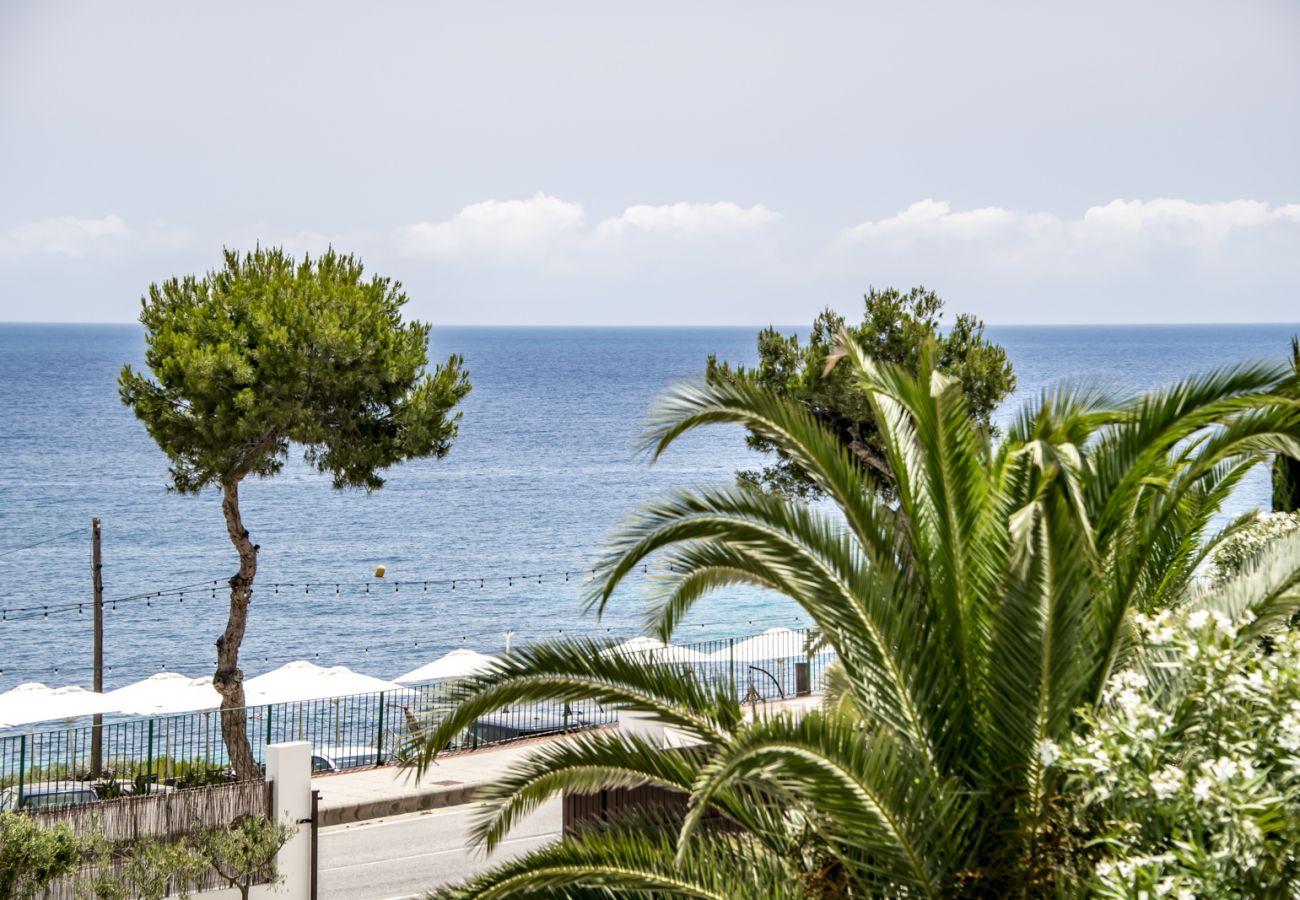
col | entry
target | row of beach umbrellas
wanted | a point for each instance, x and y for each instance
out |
(171, 693)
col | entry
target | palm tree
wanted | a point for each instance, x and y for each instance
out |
(971, 619)
(1286, 470)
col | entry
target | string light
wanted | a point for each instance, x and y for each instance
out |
(426, 585)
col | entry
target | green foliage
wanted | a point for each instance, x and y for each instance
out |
(31, 857)
(1286, 469)
(1241, 549)
(980, 617)
(244, 853)
(1189, 785)
(156, 870)
(894, 328)
(199, 774)
(267, 351)
(147, 869)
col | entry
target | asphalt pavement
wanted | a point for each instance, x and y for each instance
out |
(404, 856)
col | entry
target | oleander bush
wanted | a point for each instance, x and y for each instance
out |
(1188, 776)
(1242, 548)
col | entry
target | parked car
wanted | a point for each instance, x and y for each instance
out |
(48, 794)
(527, 721)
(331, 758)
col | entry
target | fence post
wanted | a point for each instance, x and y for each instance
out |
(269, 708)
(288, 768)
(148, 776)
(22, 767)
(315, 843)
(379, 740)
(731, 661)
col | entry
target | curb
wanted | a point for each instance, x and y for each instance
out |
(438, 798)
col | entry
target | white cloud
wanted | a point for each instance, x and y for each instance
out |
(1116, 261)
(929, 219)
(1120, 239)
(545, 230)
(1197, 226)
(1200, 225)
(495, 230)
(688, 220)
(70, 236)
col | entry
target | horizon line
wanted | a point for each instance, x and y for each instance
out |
(686, 325)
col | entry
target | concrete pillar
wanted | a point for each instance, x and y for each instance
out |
(288, 768)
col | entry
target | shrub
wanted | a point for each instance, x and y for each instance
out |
(1188, 779)
(31, 857)
(1243, 548)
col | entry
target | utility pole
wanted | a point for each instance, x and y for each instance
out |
(97, 731)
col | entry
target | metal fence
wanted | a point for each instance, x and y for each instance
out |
(52, 768)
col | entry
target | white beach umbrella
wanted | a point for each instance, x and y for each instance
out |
(300, 681)
(34, 702)
(775, 643)
(165, 694)
(653, 650)
(460, 663)
(169, 694)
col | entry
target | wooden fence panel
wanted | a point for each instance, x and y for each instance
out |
(164, 816)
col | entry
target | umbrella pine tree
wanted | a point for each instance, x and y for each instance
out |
(266, 353)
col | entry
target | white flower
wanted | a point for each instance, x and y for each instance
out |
(1202, 789)
(1167, 781)
(1223, 625)
(1048, 752)
(1130, 679)
(1288, 732)
(1129, 700)
(1223, 769)
(1196, 621)
(1251, 831)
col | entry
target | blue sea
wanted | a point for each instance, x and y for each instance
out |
(544, 468)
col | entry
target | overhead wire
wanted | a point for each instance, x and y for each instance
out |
(462, 584)
(40, 543)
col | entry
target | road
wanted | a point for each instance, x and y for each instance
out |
(404, 856)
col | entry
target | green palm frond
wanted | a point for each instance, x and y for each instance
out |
(868, 793)
(970, 622)
(801, 553)
(796, 432)
(638, 859)
(576, 670)
(581, 764)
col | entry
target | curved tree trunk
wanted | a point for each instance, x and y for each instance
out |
(228, 679)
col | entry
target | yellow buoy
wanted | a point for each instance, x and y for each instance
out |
(379, 571)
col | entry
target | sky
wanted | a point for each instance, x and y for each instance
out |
(662, 163)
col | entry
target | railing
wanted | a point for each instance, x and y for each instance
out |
(53, 767)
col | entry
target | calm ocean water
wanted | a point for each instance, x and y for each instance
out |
(543, 470)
